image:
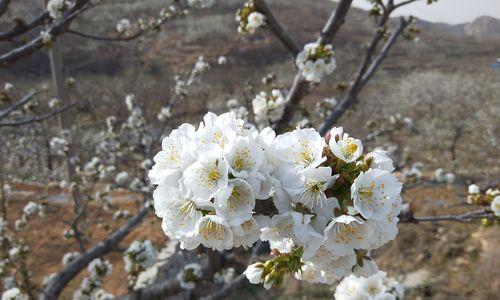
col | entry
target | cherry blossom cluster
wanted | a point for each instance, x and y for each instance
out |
(91, 286)
(139, 256)
(377, 286)
(331, 203)
(268, 108)
(14, 294)
(57, 7)
(189, 276)
(249, 18)
(489, 198)
(315, 61)
(209, 179)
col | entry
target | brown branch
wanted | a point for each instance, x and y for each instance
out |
(59, 282)
(408, 217)
(364, 74)
(335, 21)
(4, 113)
(57, 28)
(300, 86)
(238, 281)
(38, 118)
(283, 36)
(21, 27)
(107, 39)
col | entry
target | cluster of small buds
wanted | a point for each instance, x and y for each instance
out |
(8, 87)
(121, 214)
(123, 26)
(268, 108)
(376, 287)
(189, 276)
(315, 61)
(47, 37)
(400, 121)
(200, 67)
(68, 233)
(18, 252)
(325, 107)
(414, 173)
(272, 272)
(489, 198)
(14, 294)
(139, 256)
(249, 18)
(91, 287)
(241, 112)
(29, 211)
(164, 114)
(225, 276)
(441, 176)
(121, 178)
(222, 61)
(54, 103)
(69, 257)
(59, 146)
(57, 7)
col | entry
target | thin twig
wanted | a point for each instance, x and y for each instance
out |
(238, 281)
(365, 72)
(408, 217)
(107, 39)
(38, 118)
(21, 27)
(17, 105)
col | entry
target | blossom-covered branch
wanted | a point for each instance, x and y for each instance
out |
(57, 27)
(365, 71)
(300, 86)
(59, 281)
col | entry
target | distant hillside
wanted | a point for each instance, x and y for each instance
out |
(483, 27)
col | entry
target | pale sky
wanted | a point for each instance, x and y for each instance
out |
(446, 11)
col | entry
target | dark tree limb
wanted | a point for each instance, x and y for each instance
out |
(37, 118)
(300, 86)
(408, 217)
(365, 72)
(4, 113)
(57, 28)
(335, 21)
(59, 282)
(281, 34)
(21, 27)
(107, 39)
